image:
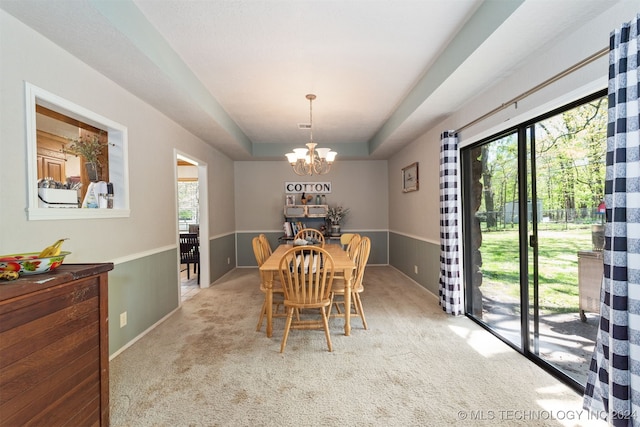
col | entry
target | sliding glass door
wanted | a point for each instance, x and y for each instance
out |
(532, 227)
(492, 236)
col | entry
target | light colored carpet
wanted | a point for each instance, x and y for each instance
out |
(415, 366)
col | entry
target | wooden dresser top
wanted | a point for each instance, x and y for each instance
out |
(65, 273)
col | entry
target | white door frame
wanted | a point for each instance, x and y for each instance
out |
(203, 215)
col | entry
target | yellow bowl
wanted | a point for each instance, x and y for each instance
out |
(31, 263)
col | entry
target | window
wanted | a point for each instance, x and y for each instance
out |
(188, 206)
(40, 103)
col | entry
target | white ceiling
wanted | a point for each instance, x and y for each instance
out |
(235, 73)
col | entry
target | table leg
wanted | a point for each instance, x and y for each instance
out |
(347, 302)
(268, 276)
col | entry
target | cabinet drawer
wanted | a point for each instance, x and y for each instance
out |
(295, 211)
(317, 210)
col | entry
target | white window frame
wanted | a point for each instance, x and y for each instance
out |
(118, 157)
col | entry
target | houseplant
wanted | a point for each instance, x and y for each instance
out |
(335, 216)
(89, 146)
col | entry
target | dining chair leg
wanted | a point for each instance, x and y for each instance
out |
(286, 329)
(325, 321)
(331, 305)
(358, 302)
(262, 313)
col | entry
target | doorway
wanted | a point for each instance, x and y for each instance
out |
(533, 210)
(192, 225)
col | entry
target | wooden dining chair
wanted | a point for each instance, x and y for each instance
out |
(306, 273)
(362, 256)
(190, 253)
(265, 244)
(352, 246)
(351, 249)
(345, 238)
(262, 251)
(311, 235)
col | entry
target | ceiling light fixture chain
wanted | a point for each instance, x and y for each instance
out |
(309, 161)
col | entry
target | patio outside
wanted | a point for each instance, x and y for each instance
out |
(565, 340)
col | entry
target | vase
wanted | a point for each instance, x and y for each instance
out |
(335, 229)
(92, 171)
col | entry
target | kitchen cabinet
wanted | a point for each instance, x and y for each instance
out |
(51, 159)
(54, 352)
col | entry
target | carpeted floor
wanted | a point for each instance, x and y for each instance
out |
(415, 366)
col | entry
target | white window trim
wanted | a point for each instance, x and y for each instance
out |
(118, 158)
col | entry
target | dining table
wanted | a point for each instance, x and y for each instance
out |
(341, 263)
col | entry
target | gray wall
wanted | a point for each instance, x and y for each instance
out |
(222, 255)
(407, 253)
(135, 287)
(361, 186)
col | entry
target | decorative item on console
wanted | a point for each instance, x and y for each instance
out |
(306, 198)
(335, 215)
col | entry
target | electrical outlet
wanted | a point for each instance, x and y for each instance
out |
(415, 269)
(228, 260)
(123, 319)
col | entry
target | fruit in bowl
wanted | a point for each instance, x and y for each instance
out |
(31, 263)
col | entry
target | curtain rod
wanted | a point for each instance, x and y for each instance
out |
(544, 84)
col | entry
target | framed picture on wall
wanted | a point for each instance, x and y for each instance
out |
(410, 180)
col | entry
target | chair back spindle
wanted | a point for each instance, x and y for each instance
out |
(311, 235)
(306, 273)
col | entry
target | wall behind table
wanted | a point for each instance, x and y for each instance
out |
(361, 186)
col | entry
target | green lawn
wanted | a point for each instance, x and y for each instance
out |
(558, 266)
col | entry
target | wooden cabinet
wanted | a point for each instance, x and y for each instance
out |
(306, 211)
(51, 158)
(303, 216)
(54, 352)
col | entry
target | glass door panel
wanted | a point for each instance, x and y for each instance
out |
(567, 177)
(493, 232)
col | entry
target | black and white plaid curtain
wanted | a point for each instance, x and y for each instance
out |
(451, 291)
(613, 384)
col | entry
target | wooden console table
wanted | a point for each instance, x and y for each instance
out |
(54, 348)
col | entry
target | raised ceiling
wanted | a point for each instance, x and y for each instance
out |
(235, 73)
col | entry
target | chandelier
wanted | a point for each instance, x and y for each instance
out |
(310, 160)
